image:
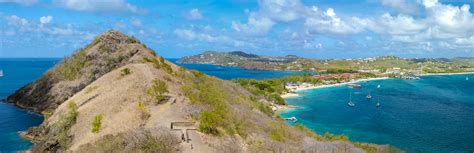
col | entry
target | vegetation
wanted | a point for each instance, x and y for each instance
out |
(157, 91)
(144, 112)
(166, 66)
(70, 67)
(278, 133)
(96, 123)
(141, 140)
(132, 39)
(46, 115)
(209, 122)
(91, 88)
(125, 71)
(64, 124)
(217, 119)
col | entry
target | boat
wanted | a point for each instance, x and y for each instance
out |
(368, 96)
(1, 73)
(350, 103)
(293, 119)
(378, 86)
(354, 86)
(467, 78)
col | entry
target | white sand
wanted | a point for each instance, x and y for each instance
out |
(289, 95)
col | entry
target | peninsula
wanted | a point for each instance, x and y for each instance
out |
(117, 95)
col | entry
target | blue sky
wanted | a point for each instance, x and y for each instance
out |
(308, 28)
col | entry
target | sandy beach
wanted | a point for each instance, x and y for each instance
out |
(290, 95)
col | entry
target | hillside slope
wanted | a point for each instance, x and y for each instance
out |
(145, 103)
(107, 52)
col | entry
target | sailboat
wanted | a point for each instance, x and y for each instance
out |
(350, 103)
(368, 96)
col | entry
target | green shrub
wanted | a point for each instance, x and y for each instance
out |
(208, 122)
(166, 66)
(46, 115)
(155, 62)
(96, 123)
(132, 39)
(277, 99)
(125, 71)
(70, 68)
(278, 133)
(64, 124)
(90, 89)
(332, 137)
(157, 91)
(144, 112)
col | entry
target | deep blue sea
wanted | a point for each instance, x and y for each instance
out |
(19, 72)
(433, 114)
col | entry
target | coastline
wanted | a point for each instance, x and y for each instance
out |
(431, 74)
(291, 95)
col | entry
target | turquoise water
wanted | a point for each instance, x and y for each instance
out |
(17, 73)
(433, 114)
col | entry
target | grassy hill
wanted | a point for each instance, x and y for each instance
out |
(116, 95)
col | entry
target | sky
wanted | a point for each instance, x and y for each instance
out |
(307, 28)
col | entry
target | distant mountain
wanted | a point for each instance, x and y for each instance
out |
(244, 60)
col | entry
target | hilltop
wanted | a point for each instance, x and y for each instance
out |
(116, 95)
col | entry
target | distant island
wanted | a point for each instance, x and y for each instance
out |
(376, 65)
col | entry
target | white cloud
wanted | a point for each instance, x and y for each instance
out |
(254, 26)
(16, 21)
(99, 6)
(282, 10)
(331, 23)
(194, 14)
(46, 19)
(21, 2)
(401, 5)
(398, 25)
(430, 3)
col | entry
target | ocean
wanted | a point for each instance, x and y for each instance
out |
(20, 71)
(433, 114)
(17, 73)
